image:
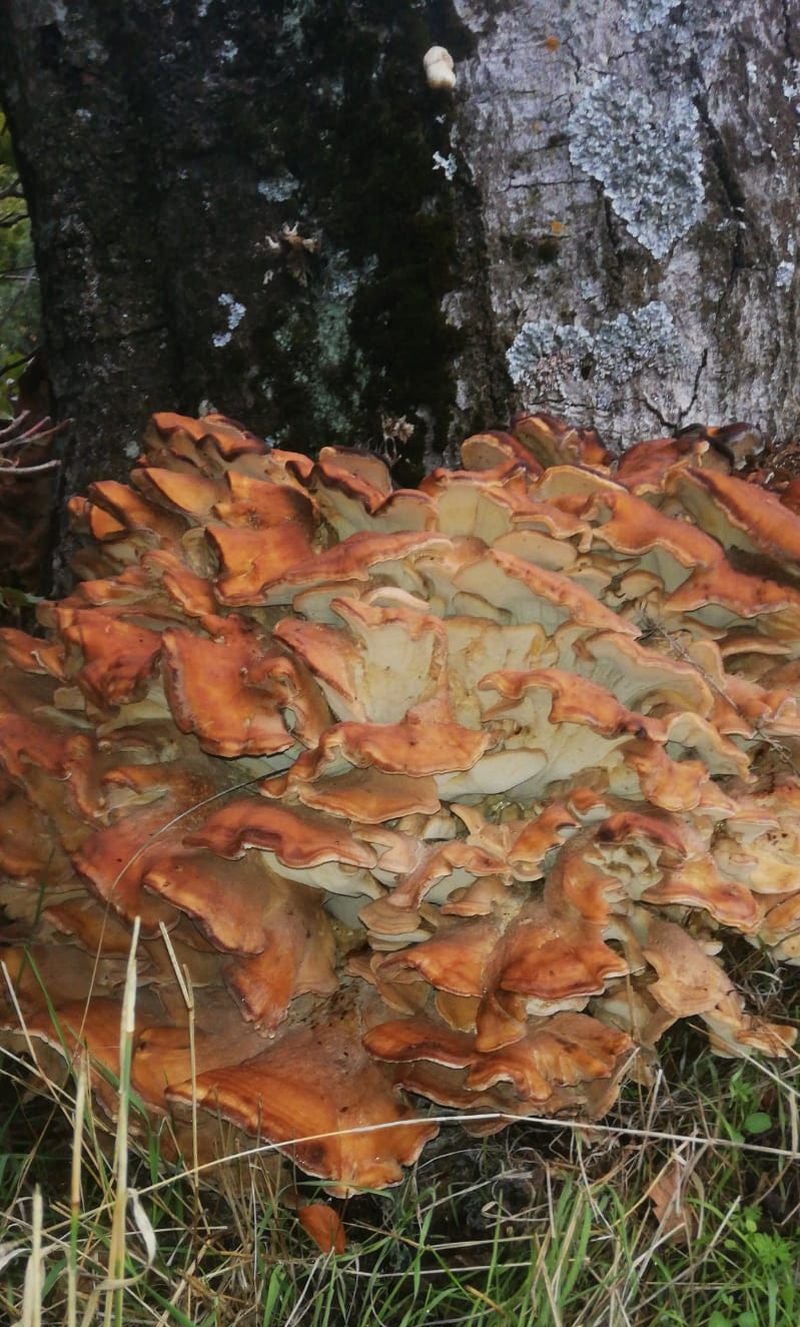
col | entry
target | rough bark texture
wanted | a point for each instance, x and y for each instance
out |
(659, 141)
(599, 221)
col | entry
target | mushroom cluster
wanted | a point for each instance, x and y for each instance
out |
(452, 793)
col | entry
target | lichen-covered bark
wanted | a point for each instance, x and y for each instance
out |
(599, 221)
(638, 168)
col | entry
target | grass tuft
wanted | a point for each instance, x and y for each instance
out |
(679, 1210)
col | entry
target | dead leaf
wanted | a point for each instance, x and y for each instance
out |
(677, 1221)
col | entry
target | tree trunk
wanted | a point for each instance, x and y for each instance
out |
(598, 221)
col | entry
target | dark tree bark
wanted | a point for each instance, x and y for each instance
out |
(600, 220)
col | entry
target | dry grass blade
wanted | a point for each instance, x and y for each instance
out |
(76, 1193)
(114, 1308)
(184, 980)
(29, 1045)
(32, 1293)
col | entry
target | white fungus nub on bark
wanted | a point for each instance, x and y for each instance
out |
(438, 64)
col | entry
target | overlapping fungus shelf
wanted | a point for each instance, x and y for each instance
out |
(456, 793)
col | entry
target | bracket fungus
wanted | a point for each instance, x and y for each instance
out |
(456, 793)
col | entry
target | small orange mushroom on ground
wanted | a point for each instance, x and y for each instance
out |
(323, 1226)
(451, 794)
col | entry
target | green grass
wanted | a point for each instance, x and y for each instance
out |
(543, 1225)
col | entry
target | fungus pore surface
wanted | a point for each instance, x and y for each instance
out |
(456, 794)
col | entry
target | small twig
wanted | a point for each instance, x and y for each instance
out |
(15, 471)
(15, 426)
(23, 442)
(37, 436)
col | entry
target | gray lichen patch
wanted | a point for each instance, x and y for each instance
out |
(645, 152)
(544, 353)
(235, 313)
(316, 339)
(644, 15)
(335, 303)
(278, 188)
(784, 274)
(631, 342)
(547, 359)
